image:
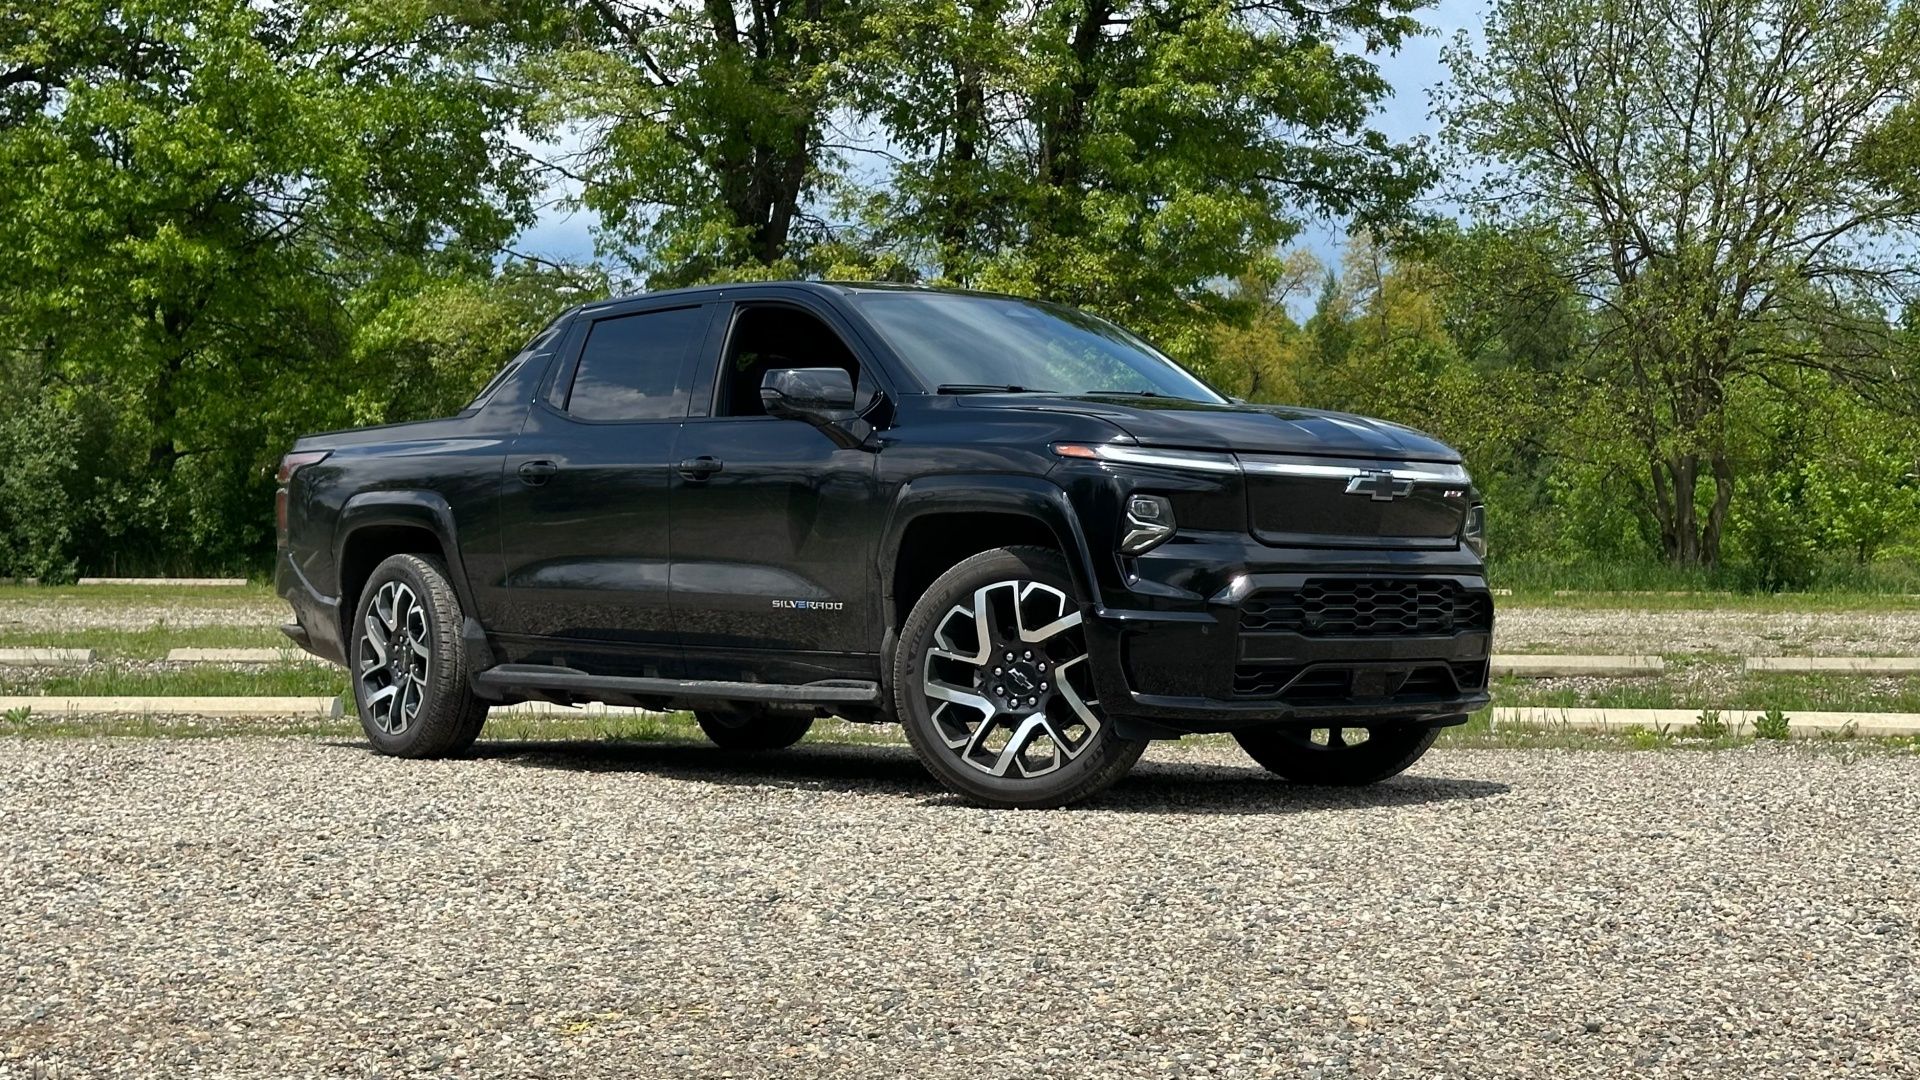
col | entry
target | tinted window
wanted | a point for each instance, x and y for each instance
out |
(540, 341)
(767, 338)
(630, 367)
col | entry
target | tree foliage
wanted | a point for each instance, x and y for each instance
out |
(192, 191)
(1732, 185)
(1127, 156)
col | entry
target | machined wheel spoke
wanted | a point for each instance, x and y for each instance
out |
(377, 639)
(940, 691)
(1007, 681)
(1081, 707)
(1065, 615)
(395, 657)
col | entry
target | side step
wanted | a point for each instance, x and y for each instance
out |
(543, 681)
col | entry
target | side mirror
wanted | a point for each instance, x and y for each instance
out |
(819, 395)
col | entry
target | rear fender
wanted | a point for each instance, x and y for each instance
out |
(420, 509)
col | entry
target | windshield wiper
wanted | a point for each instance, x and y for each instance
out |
(986, 388)
(1129, 393)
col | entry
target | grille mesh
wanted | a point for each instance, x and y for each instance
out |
(1383, 607)
(1326, 684)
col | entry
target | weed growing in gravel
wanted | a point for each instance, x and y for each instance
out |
(14, 717)
(1709, 725)
(1644, 738)
(1772, 724)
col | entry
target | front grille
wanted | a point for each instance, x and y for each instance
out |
(1327, 684)
(1377, 607)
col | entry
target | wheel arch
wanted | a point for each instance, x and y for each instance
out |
(937, 522)
(375, 525)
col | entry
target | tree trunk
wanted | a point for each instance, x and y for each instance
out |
(1685, 539)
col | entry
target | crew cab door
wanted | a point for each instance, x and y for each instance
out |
(584, 505)
(774, 526)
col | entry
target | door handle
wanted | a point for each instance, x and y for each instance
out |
(535, 473)
(701, 468)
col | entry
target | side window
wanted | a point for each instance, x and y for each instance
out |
(770, 337)
(630, 366)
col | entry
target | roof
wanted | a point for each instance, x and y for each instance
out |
(840, 288)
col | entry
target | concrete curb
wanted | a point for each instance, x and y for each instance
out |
(287, 655)
(51, 705)
(33, 655)
(1676, 721)
(1545, 666)
(1640, 592)
(313, 707)
(185, 582)
(1846, 665)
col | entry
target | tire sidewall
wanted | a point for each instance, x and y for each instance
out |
(916, 715)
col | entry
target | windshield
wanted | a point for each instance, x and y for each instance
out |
(976, 343)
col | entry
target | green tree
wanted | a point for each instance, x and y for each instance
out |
(705, 129)
(1128, 156)
(1723, 175)
(190, 191)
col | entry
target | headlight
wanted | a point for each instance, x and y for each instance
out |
(1149, 523)
(1473, 531)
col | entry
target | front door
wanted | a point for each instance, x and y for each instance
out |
(585, 502)
(774, 525)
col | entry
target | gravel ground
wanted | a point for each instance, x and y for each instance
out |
(1739, 633)
(279, 907)
(56, 614)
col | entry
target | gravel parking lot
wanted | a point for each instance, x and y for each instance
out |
(281, 907)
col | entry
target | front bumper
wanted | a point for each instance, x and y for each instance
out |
(1213, 635)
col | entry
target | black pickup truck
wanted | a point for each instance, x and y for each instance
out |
(1013, 528)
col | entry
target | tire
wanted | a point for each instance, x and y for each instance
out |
(747, 728)
(1293, 753)
(431, 710)
(1053, 746)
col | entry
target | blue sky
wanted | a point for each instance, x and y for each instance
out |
(1414, 70)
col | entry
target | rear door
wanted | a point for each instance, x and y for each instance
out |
(774, 523)
(584, 510)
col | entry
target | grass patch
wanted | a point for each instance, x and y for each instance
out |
(1762, 603)
(199, 680)
(1823, 577)
(151, 643)
(1789, 692)
(253, 594)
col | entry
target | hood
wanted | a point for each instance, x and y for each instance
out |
(1268, 429)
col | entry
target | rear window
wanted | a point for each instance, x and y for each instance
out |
(538, 345)
(631, 366)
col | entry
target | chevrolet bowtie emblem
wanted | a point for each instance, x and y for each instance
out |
(1379, 486)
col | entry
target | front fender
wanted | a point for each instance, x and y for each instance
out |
(1027, 496)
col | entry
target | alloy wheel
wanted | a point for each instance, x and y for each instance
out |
(1008, 683)
(396, 655)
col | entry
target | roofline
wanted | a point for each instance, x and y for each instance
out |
(829, 288)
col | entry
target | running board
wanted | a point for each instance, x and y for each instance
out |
(544, 680)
